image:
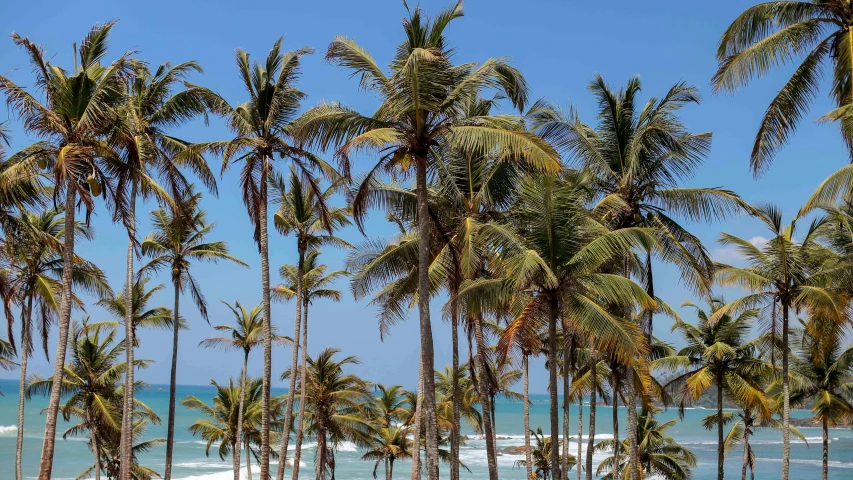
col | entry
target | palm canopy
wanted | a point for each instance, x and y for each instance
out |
(639, 155)
(180, 237)
(316, 282)
(775, 34)
(74, 118)
(31, 267)
(423, 97)
(306, 214)
(141, 315)
(246, 334)
(826, 370)
(659, 454)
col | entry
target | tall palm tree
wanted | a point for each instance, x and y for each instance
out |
(337, 407)
(263, 129)
(421, 98)
(180, 237)
(30, 272)
(784, 274)
(718, 353)
(660, 455)
(306, 215)
(554, 250)
(774, 34)
(828, 370)
(71, 122)
(151, 108)
(247, 334)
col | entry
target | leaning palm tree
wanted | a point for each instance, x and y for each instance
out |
(247, 334)
(30, 272)
(180, 237)
(264, 129)
(718, 353)
(784, 275)
(421, 104)
(660, 455)
(828, 372)
(774, 34)
(151, 108)
(71, 123)
(306, 215)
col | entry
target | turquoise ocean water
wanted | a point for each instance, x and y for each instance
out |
(190, 462)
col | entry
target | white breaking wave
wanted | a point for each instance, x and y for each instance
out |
(8, 430)
(346, 447)
(816, 463)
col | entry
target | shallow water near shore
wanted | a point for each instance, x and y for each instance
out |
(191, 463)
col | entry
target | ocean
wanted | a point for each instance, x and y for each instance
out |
(191, 463)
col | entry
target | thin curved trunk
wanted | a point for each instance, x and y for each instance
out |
(786, 397)
(825, 432)
(248, 461)
(265, 285)
(454, 392)
(427, 351)
(26, 320)
(47, 451)
(593, 399)
(745, 451)
(300, 423)
(616, 444)
(129, 343)
(239, 435)
(564, 466)
(721, 450)
(416, 432)
(173, 383)
(633, 463)
(552, 386)
(528, 459)
(580, 435)
(294, 362)
(483, 394)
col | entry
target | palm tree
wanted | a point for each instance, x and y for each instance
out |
(554, 251)
(71, 123)
(150, 109)
(421, 109)
(337, 407)
(465, 404)
(264, 128)
(540, 456)
(660, 455)
(140, 314)
(93, 389)
(179, 238)
(828, 371)
(774, 34)
(718, 353)
(783, 274)
(30, 272)
(246, 335)
(306, 215)
(390, 438)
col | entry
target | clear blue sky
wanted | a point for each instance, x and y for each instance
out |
(558, 44)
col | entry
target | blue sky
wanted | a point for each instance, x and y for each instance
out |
(558, 45)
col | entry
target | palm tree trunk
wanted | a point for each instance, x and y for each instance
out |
(616, 444)
(96, 450)
(580, 434)
(46, 464)
(427, 351)
(26, 319)
(494, 422)
(721, 451)
(528, 459)
(633, 458)
(745, 451)
(786, 397)
(552, 387)
(454, 393)
(416, 432)
(483, 394)
(173, 381)
(265, 286)
(825, 432)
(294, 361)
(129, 343)
(564, 466)
(239, 434)
(387, 470)
(300, 423)
(248, 461)
(321, 454)
(593, 366)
